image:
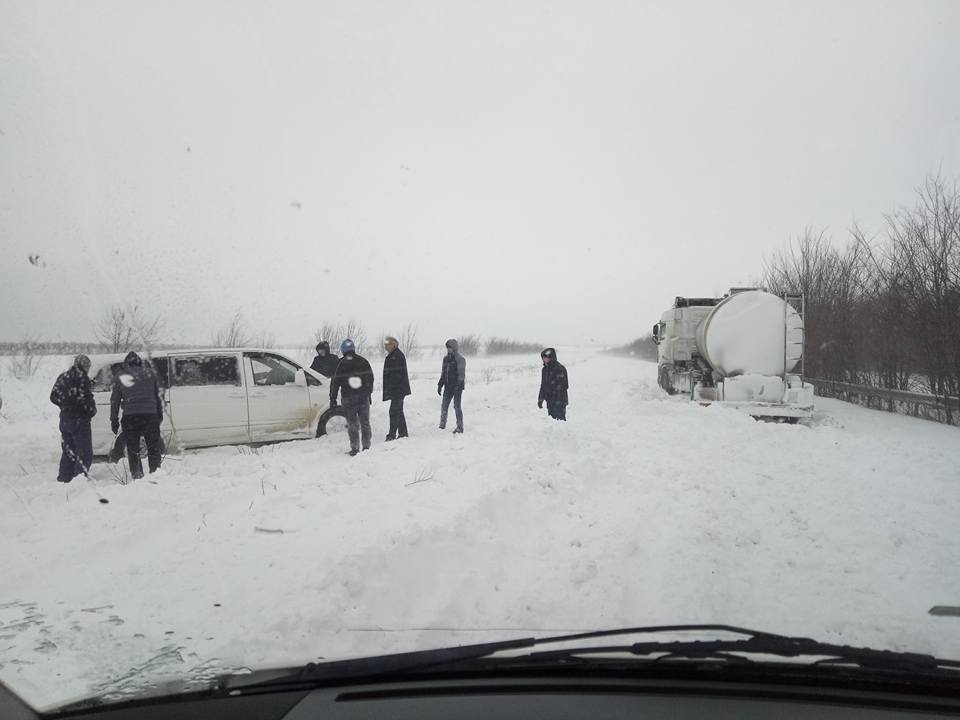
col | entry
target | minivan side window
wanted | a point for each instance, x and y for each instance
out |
(103, 380)
(272, 370)
(206, 370)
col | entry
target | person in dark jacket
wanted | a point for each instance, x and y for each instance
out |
(396, 386)
(73, 394)
(137, 392)
(453, 375)
(324, 363)
(553, 385)
(353, 381)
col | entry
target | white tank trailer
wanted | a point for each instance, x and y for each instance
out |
(744, 350)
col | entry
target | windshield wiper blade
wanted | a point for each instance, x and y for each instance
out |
(761, 644)
(312, 673)
(427, 659)
(492, 656)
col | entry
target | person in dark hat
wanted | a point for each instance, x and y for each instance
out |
(553, 385)
(73, 394)
(137, 393)
(325, 362)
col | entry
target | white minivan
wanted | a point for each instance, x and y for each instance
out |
(222, 396)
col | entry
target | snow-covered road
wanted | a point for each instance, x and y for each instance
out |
(642, 509)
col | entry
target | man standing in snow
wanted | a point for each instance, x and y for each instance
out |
(324, 363)
(396, 386)
(453, 375)
(353, 378)
(553, 385)
(137, 393)
(73, 394)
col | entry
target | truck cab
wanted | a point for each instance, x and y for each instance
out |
(676, 338)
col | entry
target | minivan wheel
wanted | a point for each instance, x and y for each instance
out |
(336, 412)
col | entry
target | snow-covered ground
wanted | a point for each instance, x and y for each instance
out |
(642, 509)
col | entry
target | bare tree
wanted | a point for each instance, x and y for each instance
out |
(469, 344)
(25, 362)
(829, 280)
(408, 341)
(234, 333)
(336, 333)
(121, 328)
(923, 258)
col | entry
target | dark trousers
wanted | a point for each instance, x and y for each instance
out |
(76, 446)
(557, 410)
(357, 410)
(147, 427)
(398, 423)
(448, 395)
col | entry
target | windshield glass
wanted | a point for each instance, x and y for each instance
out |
(617, 314)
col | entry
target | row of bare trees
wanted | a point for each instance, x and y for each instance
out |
(122, 328)
(336, 333)
(883, 311)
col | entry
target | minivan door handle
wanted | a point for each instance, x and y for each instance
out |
(258, 393)
(238, 395)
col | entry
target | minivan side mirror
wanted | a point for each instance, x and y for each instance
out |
(300, 378)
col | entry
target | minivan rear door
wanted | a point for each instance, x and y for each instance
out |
(208, 399)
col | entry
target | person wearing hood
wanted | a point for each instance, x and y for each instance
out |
(324, 363)
(553, 385)
(453, 374)
(137, 393)
(353, 381)
(396, 386)
(73, 394)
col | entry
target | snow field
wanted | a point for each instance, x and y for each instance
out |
(642, 509)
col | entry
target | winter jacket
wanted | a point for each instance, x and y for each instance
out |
(553, 381)
(73, 394)
(136, 390)
(396, 382)
(351, 368)
(453, 373)
(326, 365)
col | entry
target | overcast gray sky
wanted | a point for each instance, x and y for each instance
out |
(554, 171)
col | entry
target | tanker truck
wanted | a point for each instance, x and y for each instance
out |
(744, 350)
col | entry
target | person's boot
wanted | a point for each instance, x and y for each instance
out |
(388, 438)
(458, 430)
(353, 453)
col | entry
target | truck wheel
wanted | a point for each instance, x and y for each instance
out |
(336, 426)
(663, 379)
